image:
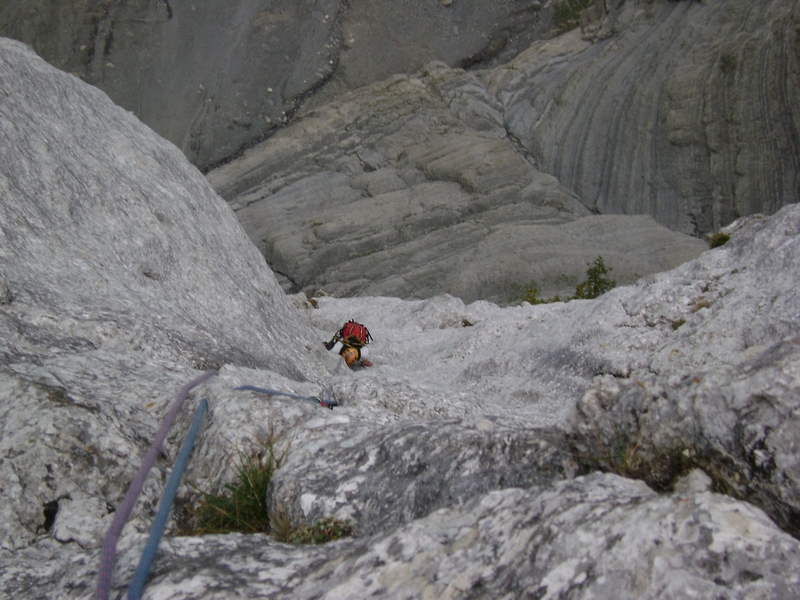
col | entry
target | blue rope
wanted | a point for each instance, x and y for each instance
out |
(136, 588)
(327, 402)
(124, 510)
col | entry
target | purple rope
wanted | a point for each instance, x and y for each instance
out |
(124, 510)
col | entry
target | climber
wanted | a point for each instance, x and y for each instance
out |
(350, 342)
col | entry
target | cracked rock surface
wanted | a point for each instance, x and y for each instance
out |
(466, 457)
(600, 536)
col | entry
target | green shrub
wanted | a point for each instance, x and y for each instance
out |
(597, 283)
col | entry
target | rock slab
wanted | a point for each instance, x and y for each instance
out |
(412, 188)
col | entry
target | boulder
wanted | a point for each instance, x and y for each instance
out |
(378, 478)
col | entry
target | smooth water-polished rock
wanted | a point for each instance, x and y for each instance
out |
(411, 188)
(686, 111)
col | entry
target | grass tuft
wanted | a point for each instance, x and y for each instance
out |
(241, 506)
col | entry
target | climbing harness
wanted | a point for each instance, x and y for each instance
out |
(326, 402)
(136, 587)
(124, 510)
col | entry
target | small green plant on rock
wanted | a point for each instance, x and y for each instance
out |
(241, 506)
(715, 240)
(567, 14)
(597, 282)
(530, 294)
(325, 530)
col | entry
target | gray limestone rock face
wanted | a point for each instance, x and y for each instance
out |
(412, 188)
(122, 274)
(600, 536)
(216, 76)
(381, 38)
(106, 229)
(738, 424)
(720, 390)
(686, 111)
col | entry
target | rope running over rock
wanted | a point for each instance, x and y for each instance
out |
(326, 402)
(136, 588)
(124, 510)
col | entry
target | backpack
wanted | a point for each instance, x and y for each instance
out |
(354, 334)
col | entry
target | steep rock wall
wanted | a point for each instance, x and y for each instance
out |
(208, 76)
(685, 111)
(216, 76)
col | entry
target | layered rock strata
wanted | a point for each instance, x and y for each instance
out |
(412, 188)
(686, 111)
